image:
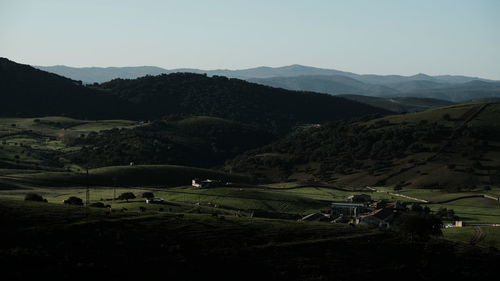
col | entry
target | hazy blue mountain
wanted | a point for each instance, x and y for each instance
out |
(399, 104)
(472, 90)
(334, 85)
(102, 74)
(416, 85)
(490, 100)
(305, 78)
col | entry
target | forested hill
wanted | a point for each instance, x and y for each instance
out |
(233, 99)
(454, 147)
(29, 92)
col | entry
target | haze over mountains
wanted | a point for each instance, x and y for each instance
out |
(29, 92)
(453, 88)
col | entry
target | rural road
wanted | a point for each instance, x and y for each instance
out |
(399, 195)
(478, 235)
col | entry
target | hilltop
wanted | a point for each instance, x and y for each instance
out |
(195, 94)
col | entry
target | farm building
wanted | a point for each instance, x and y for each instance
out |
(204, 183)
(381, 217)
(348, 209)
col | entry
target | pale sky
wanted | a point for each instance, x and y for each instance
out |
(372, 36)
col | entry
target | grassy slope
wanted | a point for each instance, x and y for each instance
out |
(436, 172)
(464, 235)
(39, 142)
(452, 162)
(138, 175)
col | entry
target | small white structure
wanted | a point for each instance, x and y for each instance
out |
(204, 183)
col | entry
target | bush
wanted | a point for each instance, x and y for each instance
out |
(73, 201)
(419, 226)
(98, 205)
(34, 197)
(148, 195)
(126, 196)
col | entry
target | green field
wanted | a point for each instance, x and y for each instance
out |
(39, 143)
(137, 175)
(464, 235)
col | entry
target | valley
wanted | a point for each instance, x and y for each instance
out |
(202, 173)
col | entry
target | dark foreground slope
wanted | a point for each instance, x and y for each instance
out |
(454, 147)
(41, 239)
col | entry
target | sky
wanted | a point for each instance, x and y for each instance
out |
(460, 37)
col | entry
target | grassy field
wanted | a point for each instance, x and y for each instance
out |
(39, 143)
(465, 234)
(137, 175)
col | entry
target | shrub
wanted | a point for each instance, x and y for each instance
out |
(148, 195)
(419, 226)
(73, 201)
(126, 196)
(34, 197)
(98, 205)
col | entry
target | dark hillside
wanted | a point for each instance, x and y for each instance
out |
(194, 141)
(454, 147)
(233, 99)
(29, 92)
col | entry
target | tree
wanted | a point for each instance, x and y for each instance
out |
(148, 195)
(415, 207)
(34, 197)
(126, 196)
(419, 226)
(98, 205)
(73, 201)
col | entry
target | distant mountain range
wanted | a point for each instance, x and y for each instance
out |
(453, 88)
(29, 92)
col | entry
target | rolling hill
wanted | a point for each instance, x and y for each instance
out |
(335, 85)
(194, 94)
(29, 92)
(453, 88)
(400, 104)
(91, 75)
(102, 74)
(26, 91)
(195, 141)
(454, 147)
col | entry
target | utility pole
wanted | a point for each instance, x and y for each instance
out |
(87, 192)
(114, 188)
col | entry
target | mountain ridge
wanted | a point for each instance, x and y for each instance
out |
(281, 71)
